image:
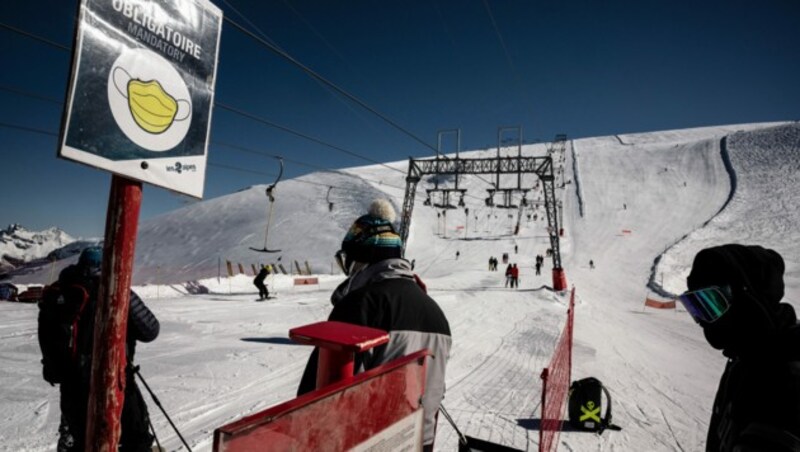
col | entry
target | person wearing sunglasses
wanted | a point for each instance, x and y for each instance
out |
(381, 291)
(735, 294)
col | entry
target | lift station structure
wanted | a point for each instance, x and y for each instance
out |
(516, 165)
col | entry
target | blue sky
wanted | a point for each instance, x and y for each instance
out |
(584, 68)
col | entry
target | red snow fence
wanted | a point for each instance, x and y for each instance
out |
(305, 281)
(658, 304)
(556, 378)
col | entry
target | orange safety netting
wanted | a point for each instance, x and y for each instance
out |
(555, 385)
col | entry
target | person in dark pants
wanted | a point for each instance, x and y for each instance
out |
(142, 326)
(735, 294)
(263, 293)
(382, 292)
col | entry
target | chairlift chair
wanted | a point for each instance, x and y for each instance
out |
(328, 198)
(271, 198)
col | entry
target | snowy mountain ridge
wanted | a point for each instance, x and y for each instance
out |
(18, 245)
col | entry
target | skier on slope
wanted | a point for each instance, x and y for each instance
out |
(258, 281)
(734, 295)
(382, 292)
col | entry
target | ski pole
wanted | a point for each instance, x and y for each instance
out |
(461, 438)
(158, 403)
(153, 429)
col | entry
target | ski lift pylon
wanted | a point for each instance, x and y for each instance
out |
(271, 197)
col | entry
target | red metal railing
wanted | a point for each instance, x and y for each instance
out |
(556, 378)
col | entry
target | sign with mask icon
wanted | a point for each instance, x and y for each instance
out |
(142, 86)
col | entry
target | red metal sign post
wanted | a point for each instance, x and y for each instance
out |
(107, 388)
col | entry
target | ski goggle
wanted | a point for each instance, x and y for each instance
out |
(707, 305)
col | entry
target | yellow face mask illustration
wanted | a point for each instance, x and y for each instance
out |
(149, 100)
(152, 108)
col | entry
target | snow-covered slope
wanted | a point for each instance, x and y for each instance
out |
(764, 166)
(221, 356)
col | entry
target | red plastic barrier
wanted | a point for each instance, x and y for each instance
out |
(379, 405)
(556, 378)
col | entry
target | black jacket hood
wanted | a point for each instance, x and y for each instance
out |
(757, 321)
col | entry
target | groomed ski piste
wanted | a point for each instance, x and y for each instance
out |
(640, 206)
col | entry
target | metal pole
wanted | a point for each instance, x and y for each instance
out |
(107, 385)
(543, 422)
(334, 365)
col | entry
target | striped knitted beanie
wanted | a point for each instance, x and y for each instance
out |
(372, 237)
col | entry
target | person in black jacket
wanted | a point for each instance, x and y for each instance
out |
(382, 292)
(142, 326)
(734, 294)
(263, 293)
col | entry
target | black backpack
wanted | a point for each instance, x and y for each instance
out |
(585, 402)
(64, 330)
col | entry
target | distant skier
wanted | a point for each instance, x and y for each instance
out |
(538, 268)
(413, 263)
(457, 254)
(515, 249)
(509, 275)
(735, 294)
(515, 277)
(263, 293)
(491, 261)
(591, 264)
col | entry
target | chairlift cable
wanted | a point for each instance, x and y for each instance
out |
(299, 134)
(218, 104)
(272, 41)
(336, 88)
(229, 167)
(232, 109)
(35, 37)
